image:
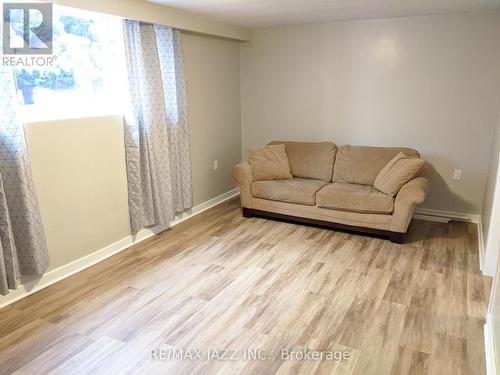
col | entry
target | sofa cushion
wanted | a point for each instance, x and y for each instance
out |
(269, 163)
(401, 169)
(355, 198)
(295, 190)
(362, 164)
(310, 159)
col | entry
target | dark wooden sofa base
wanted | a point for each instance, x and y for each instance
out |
(395, 237)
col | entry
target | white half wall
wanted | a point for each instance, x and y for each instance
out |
(431, 83)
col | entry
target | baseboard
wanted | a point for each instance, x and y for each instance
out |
(480, 244)
(489, 347)
(58, 274)
(437, 219)
(444, 216)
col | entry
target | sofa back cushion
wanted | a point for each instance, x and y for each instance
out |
(269, 163)
(313, 160)
(362, 164)
(397, 172)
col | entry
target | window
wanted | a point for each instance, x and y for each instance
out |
(87, 76)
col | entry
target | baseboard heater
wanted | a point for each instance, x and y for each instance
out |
(441, 216)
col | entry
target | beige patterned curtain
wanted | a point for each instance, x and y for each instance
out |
(23, 250)
(156, 126)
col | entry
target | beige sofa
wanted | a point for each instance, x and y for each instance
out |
(333, 186)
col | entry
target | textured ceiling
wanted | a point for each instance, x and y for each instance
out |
(255, 13)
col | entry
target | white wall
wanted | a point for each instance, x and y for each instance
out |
(491, 225)
(213, 75)
(79, 165)
(491, 208)
(492, 327)
(431, 83)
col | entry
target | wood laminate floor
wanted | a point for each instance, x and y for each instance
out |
(219, 281)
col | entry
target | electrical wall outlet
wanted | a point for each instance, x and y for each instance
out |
(457, 174)
(216, 165)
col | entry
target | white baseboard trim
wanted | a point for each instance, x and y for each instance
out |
(489, 347)
(51, 277)
(480, 244)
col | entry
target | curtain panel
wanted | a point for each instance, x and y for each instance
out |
(23, 249)
(156, 126)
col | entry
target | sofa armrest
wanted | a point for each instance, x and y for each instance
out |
(242, 174)
(410, 195)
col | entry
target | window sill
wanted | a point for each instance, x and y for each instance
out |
(28, 117)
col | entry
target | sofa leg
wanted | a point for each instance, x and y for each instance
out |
(397, 237)
(246, 212)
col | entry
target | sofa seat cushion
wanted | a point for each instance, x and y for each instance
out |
(355, 198)
(295, 190)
